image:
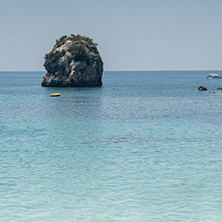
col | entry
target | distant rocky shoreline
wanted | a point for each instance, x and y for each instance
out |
(74, 61)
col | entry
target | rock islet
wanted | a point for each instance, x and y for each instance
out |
(73, 62)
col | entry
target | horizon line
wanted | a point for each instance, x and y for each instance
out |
(132, 70)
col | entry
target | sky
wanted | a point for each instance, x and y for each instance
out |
(131, 34)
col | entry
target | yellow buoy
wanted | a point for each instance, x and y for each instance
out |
(55, 94)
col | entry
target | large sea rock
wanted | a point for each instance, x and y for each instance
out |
(74, 61)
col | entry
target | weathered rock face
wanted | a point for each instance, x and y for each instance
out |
(74, 61)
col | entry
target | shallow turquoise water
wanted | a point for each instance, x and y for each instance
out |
(146, 147)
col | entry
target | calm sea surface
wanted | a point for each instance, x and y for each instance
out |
(145, 147)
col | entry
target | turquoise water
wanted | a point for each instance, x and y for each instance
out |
(145, 147)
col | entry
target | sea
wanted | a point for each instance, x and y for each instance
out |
(144, 147)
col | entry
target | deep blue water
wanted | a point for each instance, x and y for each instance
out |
(146, 147)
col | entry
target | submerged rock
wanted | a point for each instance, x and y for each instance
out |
(202, 88)
(73, 61)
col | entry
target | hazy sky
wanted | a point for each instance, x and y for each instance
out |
(132, 34)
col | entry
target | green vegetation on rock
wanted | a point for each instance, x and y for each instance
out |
(72, 37)
(78, 50)
(60, 41)
(52, 57)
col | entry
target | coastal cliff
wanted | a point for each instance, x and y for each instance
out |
(73, 61)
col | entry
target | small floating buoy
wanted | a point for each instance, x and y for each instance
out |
(55, 94)
(66, 94)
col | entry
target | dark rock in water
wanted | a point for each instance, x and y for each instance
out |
(202, 88)
(73, 61)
